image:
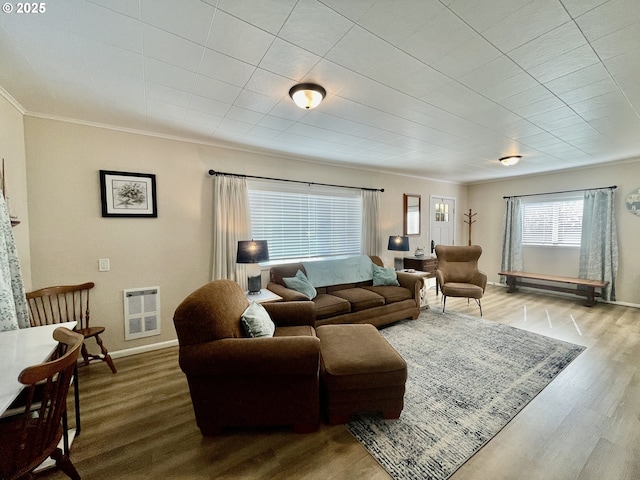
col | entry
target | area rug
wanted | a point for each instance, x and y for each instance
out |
(468, 377)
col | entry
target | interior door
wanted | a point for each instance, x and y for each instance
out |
(442, 221)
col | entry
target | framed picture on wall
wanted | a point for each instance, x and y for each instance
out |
(126, 194)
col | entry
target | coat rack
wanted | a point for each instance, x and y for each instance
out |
(469, 221)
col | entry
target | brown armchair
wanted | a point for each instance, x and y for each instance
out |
(240, 381)
(458, 274)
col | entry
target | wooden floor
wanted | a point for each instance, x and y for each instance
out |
(139, 424)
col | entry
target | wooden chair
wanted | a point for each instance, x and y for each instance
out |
(27, 440)
(67, 304)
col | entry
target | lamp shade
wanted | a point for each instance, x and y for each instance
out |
(399, 243)
(252, 251)
(307, 95)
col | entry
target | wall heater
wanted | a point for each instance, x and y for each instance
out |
(141, 312)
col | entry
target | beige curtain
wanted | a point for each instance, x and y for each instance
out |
(370, 240)
(231, 223)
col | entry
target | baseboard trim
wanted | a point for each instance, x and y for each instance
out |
(567, 295)
(143, 349)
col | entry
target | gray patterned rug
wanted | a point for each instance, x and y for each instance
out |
(468, 377)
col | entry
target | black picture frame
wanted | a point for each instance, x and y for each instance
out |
(128, 194)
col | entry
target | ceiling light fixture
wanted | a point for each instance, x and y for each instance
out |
(510, 160)
(307, 95)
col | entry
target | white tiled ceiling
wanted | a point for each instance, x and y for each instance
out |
(437, 89)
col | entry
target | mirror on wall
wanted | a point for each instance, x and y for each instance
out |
(412, 205)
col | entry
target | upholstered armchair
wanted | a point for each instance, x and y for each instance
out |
(236, 380)
(458, 274)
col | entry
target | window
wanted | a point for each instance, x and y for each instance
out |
(552, 222)
(303, 222)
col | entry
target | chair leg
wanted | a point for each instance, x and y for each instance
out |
(479, 305)
(105, 354)
(64, 463)
(444, 302)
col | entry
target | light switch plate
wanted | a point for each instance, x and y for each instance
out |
(103, 265)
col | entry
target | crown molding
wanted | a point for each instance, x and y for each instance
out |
(12, 101)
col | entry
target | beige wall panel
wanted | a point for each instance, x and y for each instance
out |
(12, 149)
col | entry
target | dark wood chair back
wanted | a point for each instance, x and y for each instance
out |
(68, 303)
(65, 303)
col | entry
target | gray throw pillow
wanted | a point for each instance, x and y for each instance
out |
(300, 283)
(384, 277)
(257, 322)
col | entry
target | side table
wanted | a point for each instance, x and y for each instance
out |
(424, 303)
(429, 265)
(265, 296)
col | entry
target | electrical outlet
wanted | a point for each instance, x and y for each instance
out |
(103, 265)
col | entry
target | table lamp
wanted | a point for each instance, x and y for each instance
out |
(253, 252)
(400, 244)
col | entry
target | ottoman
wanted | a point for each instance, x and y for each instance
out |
(360, 372)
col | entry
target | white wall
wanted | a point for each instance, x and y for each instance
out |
(69, 235)
(487, 199)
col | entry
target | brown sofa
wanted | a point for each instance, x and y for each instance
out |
(240, 381)
(357, 302)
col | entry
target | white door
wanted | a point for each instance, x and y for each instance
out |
(442, 221)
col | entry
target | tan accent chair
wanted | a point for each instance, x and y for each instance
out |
(458, 274)
(237, 381)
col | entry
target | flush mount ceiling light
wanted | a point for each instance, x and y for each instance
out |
(307, 95)
(510, 160)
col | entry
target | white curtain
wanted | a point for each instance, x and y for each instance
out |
(599, 246)
(231, 223)
(14, 312)
(512, 237)
(370, 241)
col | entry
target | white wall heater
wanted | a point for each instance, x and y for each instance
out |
(141, 312)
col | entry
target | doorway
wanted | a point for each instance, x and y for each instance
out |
(442, 221)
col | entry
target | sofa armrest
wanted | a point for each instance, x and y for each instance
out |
(286, 314)
(252, 356)
(287, 294)
(412, 282)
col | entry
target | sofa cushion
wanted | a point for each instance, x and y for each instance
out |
(257, 322)
(384, 276)
(391, 294)
(360, 299)
(300, 283)
(330, 305)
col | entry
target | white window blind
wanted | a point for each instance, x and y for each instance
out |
(302, 222)
(552, 222)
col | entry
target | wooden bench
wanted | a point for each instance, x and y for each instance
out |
(589, 285)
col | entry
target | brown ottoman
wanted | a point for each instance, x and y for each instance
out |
(360, 372)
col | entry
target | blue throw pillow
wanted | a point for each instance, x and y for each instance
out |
(257, 322)
(384, 277)
(300, 283)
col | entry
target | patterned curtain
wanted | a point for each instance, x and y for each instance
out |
(599, 247)
(370, 242)
(14, 312)
(231, 223)
(512, 237)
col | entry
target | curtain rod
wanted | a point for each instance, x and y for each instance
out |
(213, 172)
(612, 187)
